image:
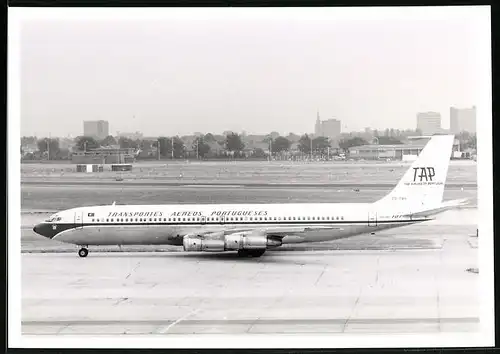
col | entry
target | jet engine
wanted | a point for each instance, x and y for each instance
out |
(196, 243)
(248, 242)
(234, 242)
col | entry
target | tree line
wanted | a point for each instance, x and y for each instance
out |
(232, 144)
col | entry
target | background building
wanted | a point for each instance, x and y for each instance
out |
(408, 151)
(429, 123)
(98, 129)
(132, 136)
(462, 119)
(329, 128)
(103, 156)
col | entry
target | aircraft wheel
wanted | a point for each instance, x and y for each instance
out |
(83, 252)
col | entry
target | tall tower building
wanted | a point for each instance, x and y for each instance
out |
(330, 128)
(429, 122)
(97, 129)
(463, 119)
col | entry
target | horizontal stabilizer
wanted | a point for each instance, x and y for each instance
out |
(448, 205)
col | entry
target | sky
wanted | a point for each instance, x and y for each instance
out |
(256, 70)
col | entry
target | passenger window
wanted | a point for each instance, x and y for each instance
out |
(92, 220)
(314, 218)
(341, 218)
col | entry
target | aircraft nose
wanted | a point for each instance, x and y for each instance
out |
(42, 229)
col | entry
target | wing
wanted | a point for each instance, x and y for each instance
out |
(279, 231)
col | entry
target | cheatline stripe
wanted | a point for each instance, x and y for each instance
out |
(68, 226)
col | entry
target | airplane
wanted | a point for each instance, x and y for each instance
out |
(251, 229)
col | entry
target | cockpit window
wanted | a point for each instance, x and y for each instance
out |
(53, 219)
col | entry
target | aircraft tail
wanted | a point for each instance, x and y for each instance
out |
(422, 186)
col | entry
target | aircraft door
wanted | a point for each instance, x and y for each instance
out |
(372, 218)
(79, 219)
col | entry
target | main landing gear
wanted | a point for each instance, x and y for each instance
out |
(83, 252)
(251, 253)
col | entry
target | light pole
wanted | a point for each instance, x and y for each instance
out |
(158, 149)
(270, 148)
(197, 147)
(48, 149)
(172, 148)
(311, 148)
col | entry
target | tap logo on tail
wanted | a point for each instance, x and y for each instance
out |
(426, 173)
(423, 176)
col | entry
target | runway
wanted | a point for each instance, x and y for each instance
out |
(420, 285)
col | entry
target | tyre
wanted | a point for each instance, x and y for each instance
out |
(83, 252)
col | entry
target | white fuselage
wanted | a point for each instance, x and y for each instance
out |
(168, 224)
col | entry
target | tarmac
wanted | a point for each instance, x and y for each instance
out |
(415, 279)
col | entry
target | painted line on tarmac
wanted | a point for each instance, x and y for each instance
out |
(273, 321)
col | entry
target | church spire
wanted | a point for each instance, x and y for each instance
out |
(317, 127)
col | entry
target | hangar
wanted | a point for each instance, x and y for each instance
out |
(407, 151)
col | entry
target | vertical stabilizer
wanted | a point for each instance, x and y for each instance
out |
(422, 186)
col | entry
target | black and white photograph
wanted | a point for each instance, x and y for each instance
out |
(250, 177)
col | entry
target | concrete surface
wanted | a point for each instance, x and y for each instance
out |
(351, 288)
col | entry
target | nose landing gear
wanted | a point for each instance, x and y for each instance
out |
(83, 252)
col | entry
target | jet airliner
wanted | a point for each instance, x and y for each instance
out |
(251, 229)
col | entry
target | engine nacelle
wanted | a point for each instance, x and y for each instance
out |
(217, 242)
(205, 245)
(242, 241)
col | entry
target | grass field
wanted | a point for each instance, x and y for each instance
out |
(464, 172)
